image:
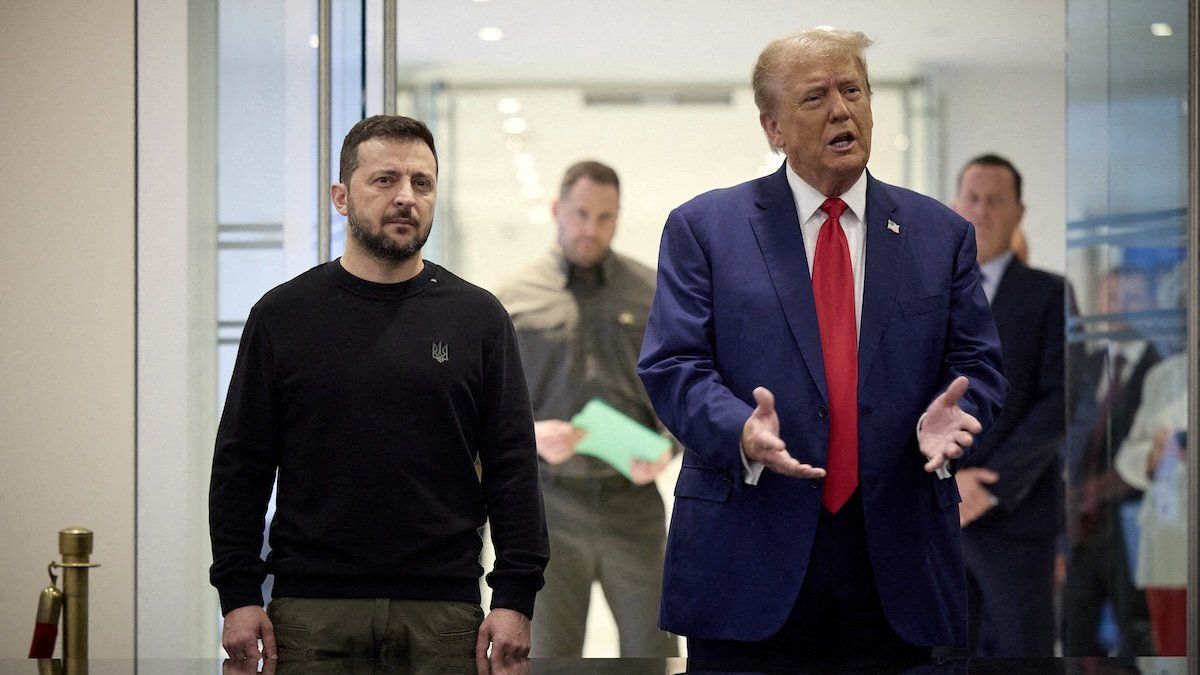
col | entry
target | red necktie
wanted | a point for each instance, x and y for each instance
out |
(833, 292)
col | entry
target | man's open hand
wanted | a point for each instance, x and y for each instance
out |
(761, 442)
(945, 428)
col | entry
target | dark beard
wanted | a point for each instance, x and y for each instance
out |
(380, 246)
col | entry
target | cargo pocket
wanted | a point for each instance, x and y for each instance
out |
(460, 630)
(292, 643)
(292, 636)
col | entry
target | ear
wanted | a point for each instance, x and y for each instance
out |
(554, 209)
(770, 127)
(1021, 213)
(337, 195)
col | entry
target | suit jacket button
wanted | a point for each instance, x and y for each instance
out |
(822, 412)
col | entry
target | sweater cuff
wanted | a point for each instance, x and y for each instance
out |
(240, 596)
(515, 598)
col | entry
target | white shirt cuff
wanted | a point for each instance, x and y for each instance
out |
(942, 472)
(751, 471)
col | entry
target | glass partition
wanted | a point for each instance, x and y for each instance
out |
(1127, 452)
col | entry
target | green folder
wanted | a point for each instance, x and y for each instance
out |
(616, 438)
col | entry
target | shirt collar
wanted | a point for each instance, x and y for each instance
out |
(809, 199)
(602, 272)
(993, 269)
(1132, 350)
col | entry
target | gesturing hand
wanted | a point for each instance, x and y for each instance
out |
(946, 429)
(761, 442)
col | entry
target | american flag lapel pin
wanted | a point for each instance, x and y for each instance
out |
(893, 227)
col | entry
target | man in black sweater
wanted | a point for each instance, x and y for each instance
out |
(388, 395)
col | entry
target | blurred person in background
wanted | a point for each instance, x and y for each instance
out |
(580, 313)
(1104, 393)
(1011, 485)
(1154, 459)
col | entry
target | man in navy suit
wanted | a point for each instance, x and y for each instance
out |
(821, 345)
(1011, 485)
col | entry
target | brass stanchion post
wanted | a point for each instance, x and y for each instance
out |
(75, 546)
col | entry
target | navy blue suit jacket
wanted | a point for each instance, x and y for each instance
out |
(733, 311)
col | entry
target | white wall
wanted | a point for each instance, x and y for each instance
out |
(1020, 114)
(67, 309)
(664, 155)
(667, 154)
(176, 107)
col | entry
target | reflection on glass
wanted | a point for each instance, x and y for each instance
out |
(1126, 454)
(267, 196)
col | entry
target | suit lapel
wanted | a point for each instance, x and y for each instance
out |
(883, 260)
(777, 229)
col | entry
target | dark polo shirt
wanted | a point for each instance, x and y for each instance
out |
(580, 332)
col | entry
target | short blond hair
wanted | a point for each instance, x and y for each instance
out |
(810, 45)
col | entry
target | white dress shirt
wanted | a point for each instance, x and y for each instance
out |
(992, 271)
(808, 211)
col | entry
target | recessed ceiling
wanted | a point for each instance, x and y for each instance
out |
(713, 40)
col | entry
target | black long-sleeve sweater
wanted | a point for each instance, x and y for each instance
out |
(373, 402)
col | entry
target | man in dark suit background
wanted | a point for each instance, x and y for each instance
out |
(1104, 394)
(1011, 485)
(820, 344)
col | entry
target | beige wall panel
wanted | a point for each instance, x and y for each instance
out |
(67, 306)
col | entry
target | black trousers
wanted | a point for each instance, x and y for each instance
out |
(837, 613)
(1098, 572)
(1010, 594)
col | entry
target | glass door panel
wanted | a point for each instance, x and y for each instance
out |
(1127, 238)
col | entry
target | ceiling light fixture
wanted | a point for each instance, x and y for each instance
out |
(491, 34)
(508, 106)
(514, 125)
(1161, 29)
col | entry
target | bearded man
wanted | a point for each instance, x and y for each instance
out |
(388, 395)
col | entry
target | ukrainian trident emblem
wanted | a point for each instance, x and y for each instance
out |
(441, 352)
